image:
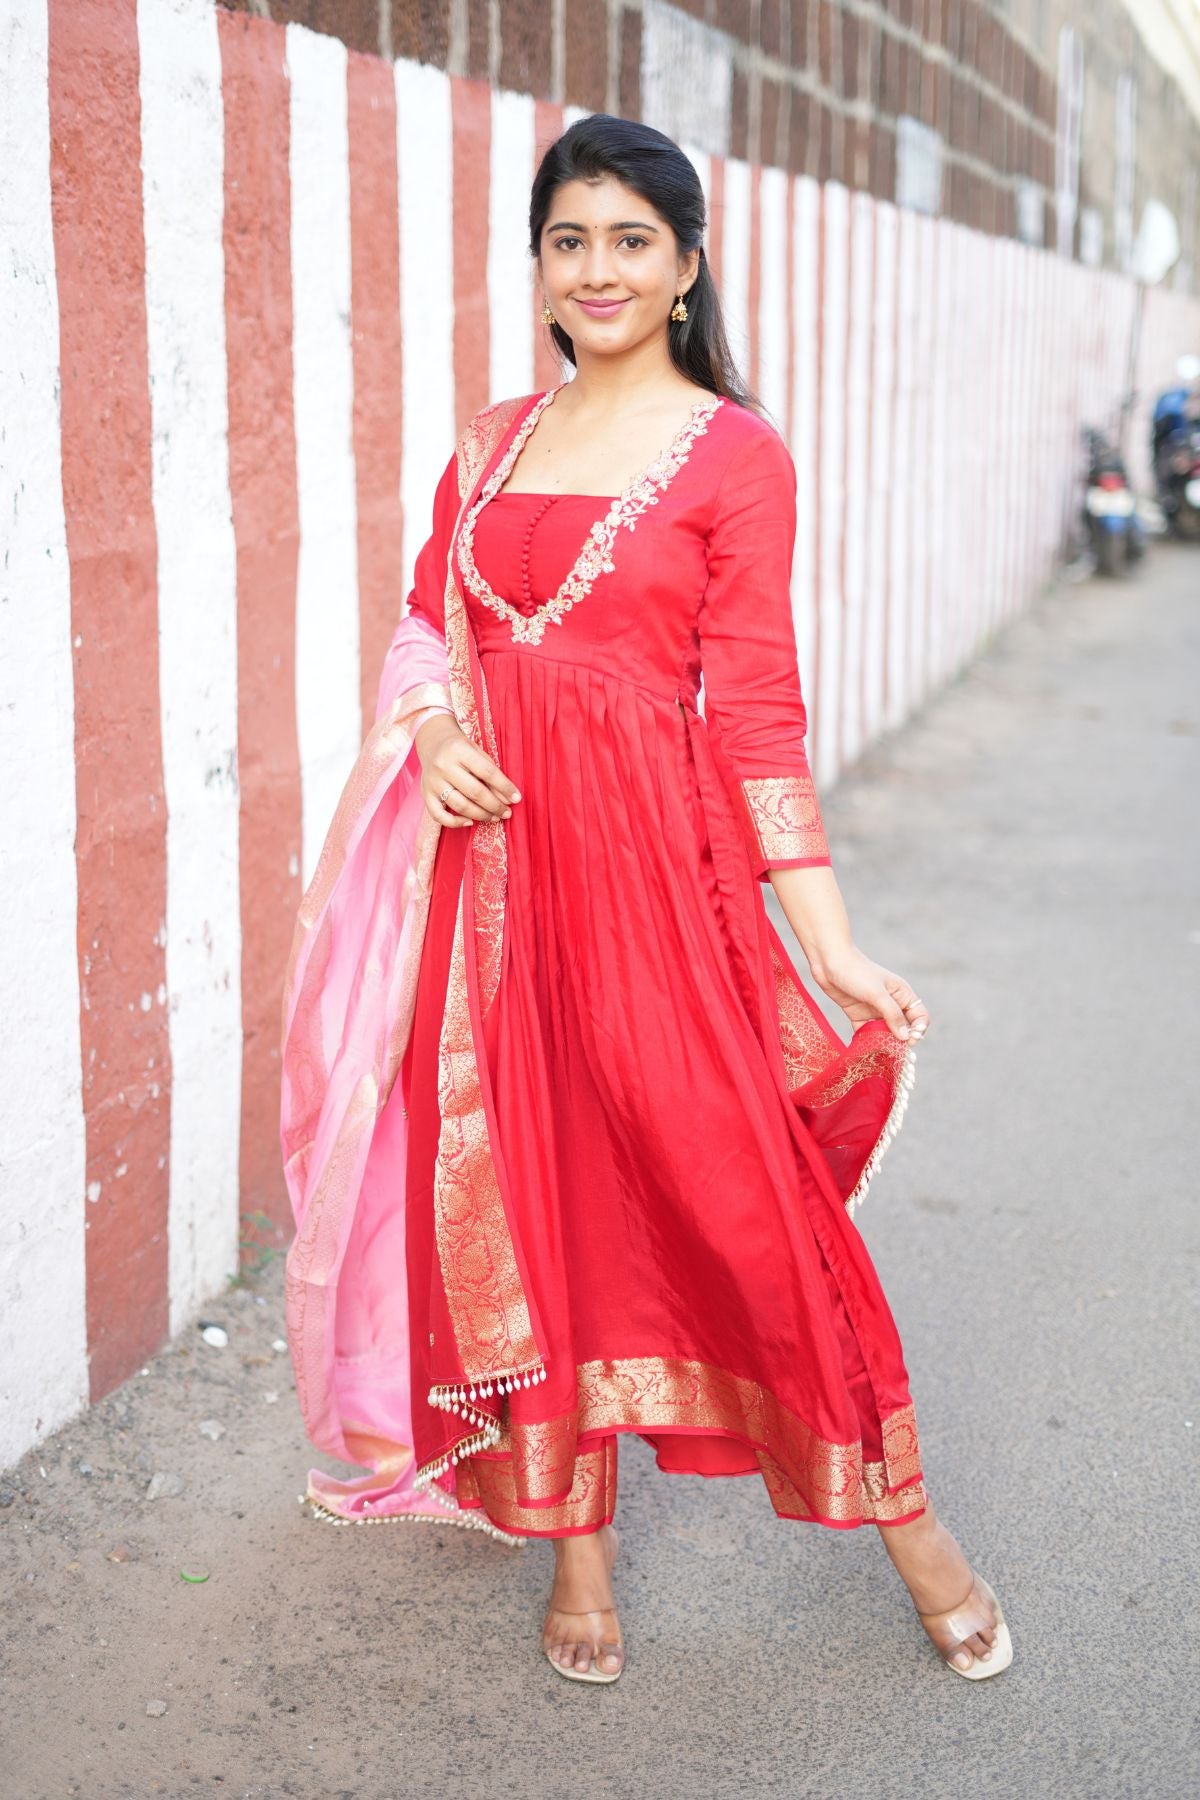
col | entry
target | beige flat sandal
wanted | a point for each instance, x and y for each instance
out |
(963, 1621)
(593, 1672)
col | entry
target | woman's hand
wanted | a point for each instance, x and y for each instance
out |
(451, 765)
(812, 902)
(865, 990)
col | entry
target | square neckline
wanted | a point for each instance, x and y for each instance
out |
(706, 400)
(595, 557)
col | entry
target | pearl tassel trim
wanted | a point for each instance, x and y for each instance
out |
(465, 1521)
(904, 1087)
(480, 1440)
(459, 1397)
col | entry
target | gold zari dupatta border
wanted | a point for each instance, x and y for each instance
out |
(485, 1299)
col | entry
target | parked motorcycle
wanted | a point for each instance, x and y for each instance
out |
(1175, 450)
(1111, 524)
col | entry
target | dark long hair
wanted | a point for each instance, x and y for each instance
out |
(653, 166)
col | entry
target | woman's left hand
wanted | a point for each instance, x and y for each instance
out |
(865, 990)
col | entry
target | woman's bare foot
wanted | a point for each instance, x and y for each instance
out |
(581, 1622)
(941, 1581)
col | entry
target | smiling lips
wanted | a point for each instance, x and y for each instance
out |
(601, 309)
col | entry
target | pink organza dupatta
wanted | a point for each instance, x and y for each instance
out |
(347, 1012)
(348, 1004)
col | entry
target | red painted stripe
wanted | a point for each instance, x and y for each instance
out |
(754, 284)
(471, 120)
(120, 850)
(378, 371)
(547, 126)
(262, 480)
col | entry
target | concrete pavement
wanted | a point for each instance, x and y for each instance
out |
(1026, 853)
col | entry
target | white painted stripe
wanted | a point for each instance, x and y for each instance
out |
(701, 161)
(183, 165)
(1072, 481)
(424, 143)
(509, 265)
(859, 425)
(1014, 485)
(880, 470)
(735, 261)
(328, 709)
(773, 321)
(993, 409)
(1024, 426)
(1049, 365)
(940, 521)
(1028, 427)
(806, 202)
(833, 426)
(968, 447)
(43, 1326)
(918, 543)
(904, 496)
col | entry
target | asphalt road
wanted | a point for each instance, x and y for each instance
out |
(1026, 852)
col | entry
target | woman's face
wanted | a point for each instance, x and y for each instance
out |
(603, 243)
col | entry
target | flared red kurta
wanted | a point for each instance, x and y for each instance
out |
(690, 1271)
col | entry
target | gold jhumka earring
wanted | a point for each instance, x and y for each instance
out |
(679, 310)
(547, 315)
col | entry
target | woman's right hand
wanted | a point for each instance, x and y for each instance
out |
(477, 788)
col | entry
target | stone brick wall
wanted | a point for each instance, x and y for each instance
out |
(817, 86)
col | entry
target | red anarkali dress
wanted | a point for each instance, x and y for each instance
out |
(685, 1264)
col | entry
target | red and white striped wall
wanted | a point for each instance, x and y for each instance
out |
(255, 286)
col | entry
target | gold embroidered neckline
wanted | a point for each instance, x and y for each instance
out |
(595, 558)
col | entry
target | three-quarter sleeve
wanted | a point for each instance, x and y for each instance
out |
(753, 705)
(414, 680)
(427, 596)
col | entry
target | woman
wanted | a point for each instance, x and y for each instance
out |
(571, 1151)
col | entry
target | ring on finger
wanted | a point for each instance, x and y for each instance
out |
(444, 796)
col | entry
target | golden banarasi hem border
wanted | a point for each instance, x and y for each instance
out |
(786, 816)
(489, 1482)
(807, 1476)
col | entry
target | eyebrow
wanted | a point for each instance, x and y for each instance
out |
(624, 225)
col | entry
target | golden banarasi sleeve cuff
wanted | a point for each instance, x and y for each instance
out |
(784, 822)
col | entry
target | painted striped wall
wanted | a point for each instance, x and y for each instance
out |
(255, 284)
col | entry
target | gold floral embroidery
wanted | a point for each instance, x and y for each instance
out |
(482, 1283)
(786, 817)
(883, 1062)
(806, 1047)
(595, 558)
(878, 1505)
(543, 1457)
(807, 1476)
(488, 1481)
(487, 853)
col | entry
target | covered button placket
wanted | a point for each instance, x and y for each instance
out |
(528, 603)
